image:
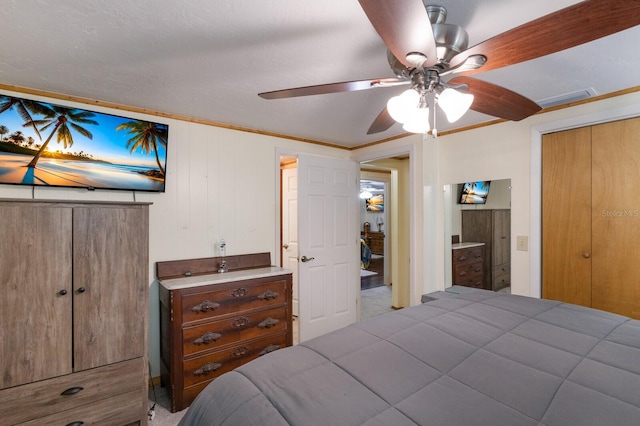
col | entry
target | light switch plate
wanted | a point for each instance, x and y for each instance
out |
(522, 242)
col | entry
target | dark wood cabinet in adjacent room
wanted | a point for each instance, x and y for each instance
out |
(493, 228)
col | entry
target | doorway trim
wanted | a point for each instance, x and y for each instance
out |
(415, 204)
(535, 215)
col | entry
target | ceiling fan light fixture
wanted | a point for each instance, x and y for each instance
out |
(399, 107)
(365, 194)
(454, 104)
(418, 120)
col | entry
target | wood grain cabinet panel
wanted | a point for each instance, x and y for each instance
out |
(73, 312)
(207, 329)
(493, 228)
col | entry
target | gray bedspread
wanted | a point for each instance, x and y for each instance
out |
(474, 358)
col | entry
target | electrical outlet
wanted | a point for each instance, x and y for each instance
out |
(522, 242)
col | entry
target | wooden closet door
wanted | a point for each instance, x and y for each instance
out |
(566, 216)
(110, 283)
(35, 305)
(616, 217)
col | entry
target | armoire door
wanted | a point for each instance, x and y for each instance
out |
(566, 216)
(591, 217)
(35, 305)
(109, 268)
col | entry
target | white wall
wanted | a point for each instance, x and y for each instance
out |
(510, 150)
(220, 183)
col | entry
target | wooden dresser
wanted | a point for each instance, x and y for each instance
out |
(211, 322)
(467, 260)
(73, 312)
(375, 241)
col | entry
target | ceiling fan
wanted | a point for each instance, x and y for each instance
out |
(423, 51)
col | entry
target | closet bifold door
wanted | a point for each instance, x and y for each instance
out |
(35, 280)
(110, 256)
(616, 217)
(566, 216)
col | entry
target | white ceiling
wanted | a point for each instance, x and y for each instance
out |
(209, 59)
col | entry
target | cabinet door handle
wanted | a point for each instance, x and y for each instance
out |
(586, 255)
(72, 391)
(268, 295)
(62, 292)
(268, 323)
(78, 423)
(81, 290)
(207, 338)
(209, 367)
(205, 306)
(268, 349)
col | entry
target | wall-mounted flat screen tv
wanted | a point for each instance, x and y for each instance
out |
(474, 192)
(44, 144)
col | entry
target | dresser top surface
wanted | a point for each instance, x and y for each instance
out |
(465, 245)
(221, 278)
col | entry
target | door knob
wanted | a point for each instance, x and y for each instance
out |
(306, 259)
(285, 246)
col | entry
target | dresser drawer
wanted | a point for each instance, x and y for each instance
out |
(468, 255)
(207, 367)
(469, 275)
(233, 299)
(39, 399)
(118, 410)
(233, 329)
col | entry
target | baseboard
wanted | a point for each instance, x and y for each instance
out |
(154, 381)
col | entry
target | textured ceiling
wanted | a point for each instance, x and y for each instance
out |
(209, 59)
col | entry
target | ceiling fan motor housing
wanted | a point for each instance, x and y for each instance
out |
(450, 40)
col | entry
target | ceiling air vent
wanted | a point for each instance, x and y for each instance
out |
(568, 98)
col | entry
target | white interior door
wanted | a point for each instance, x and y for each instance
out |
(328, 245)
(290, 229)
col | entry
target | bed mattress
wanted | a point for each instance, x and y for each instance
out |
(474, 358)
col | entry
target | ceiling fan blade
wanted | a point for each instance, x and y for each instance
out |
(322, 89)
(404, 26)
(569, 27)
(496, 100)
(382, 122)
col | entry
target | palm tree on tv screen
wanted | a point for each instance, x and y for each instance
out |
(145, 137)
(24, 108)
(63, 120)
(3, 131)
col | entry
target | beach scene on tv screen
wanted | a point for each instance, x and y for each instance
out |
(45, 144)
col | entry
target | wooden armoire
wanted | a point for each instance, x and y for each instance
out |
(74, 308)
(493, 228)
(591, 216)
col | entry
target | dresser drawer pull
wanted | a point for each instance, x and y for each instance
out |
(239, 351)
(239, 292)
(268, 323)
(209, 367)
(207, 338)
(205, 306)
(268, 295)
(268, 349)
(463, 273)
(75, 424)
(240, 322)
(462, 258)
(72, 391)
